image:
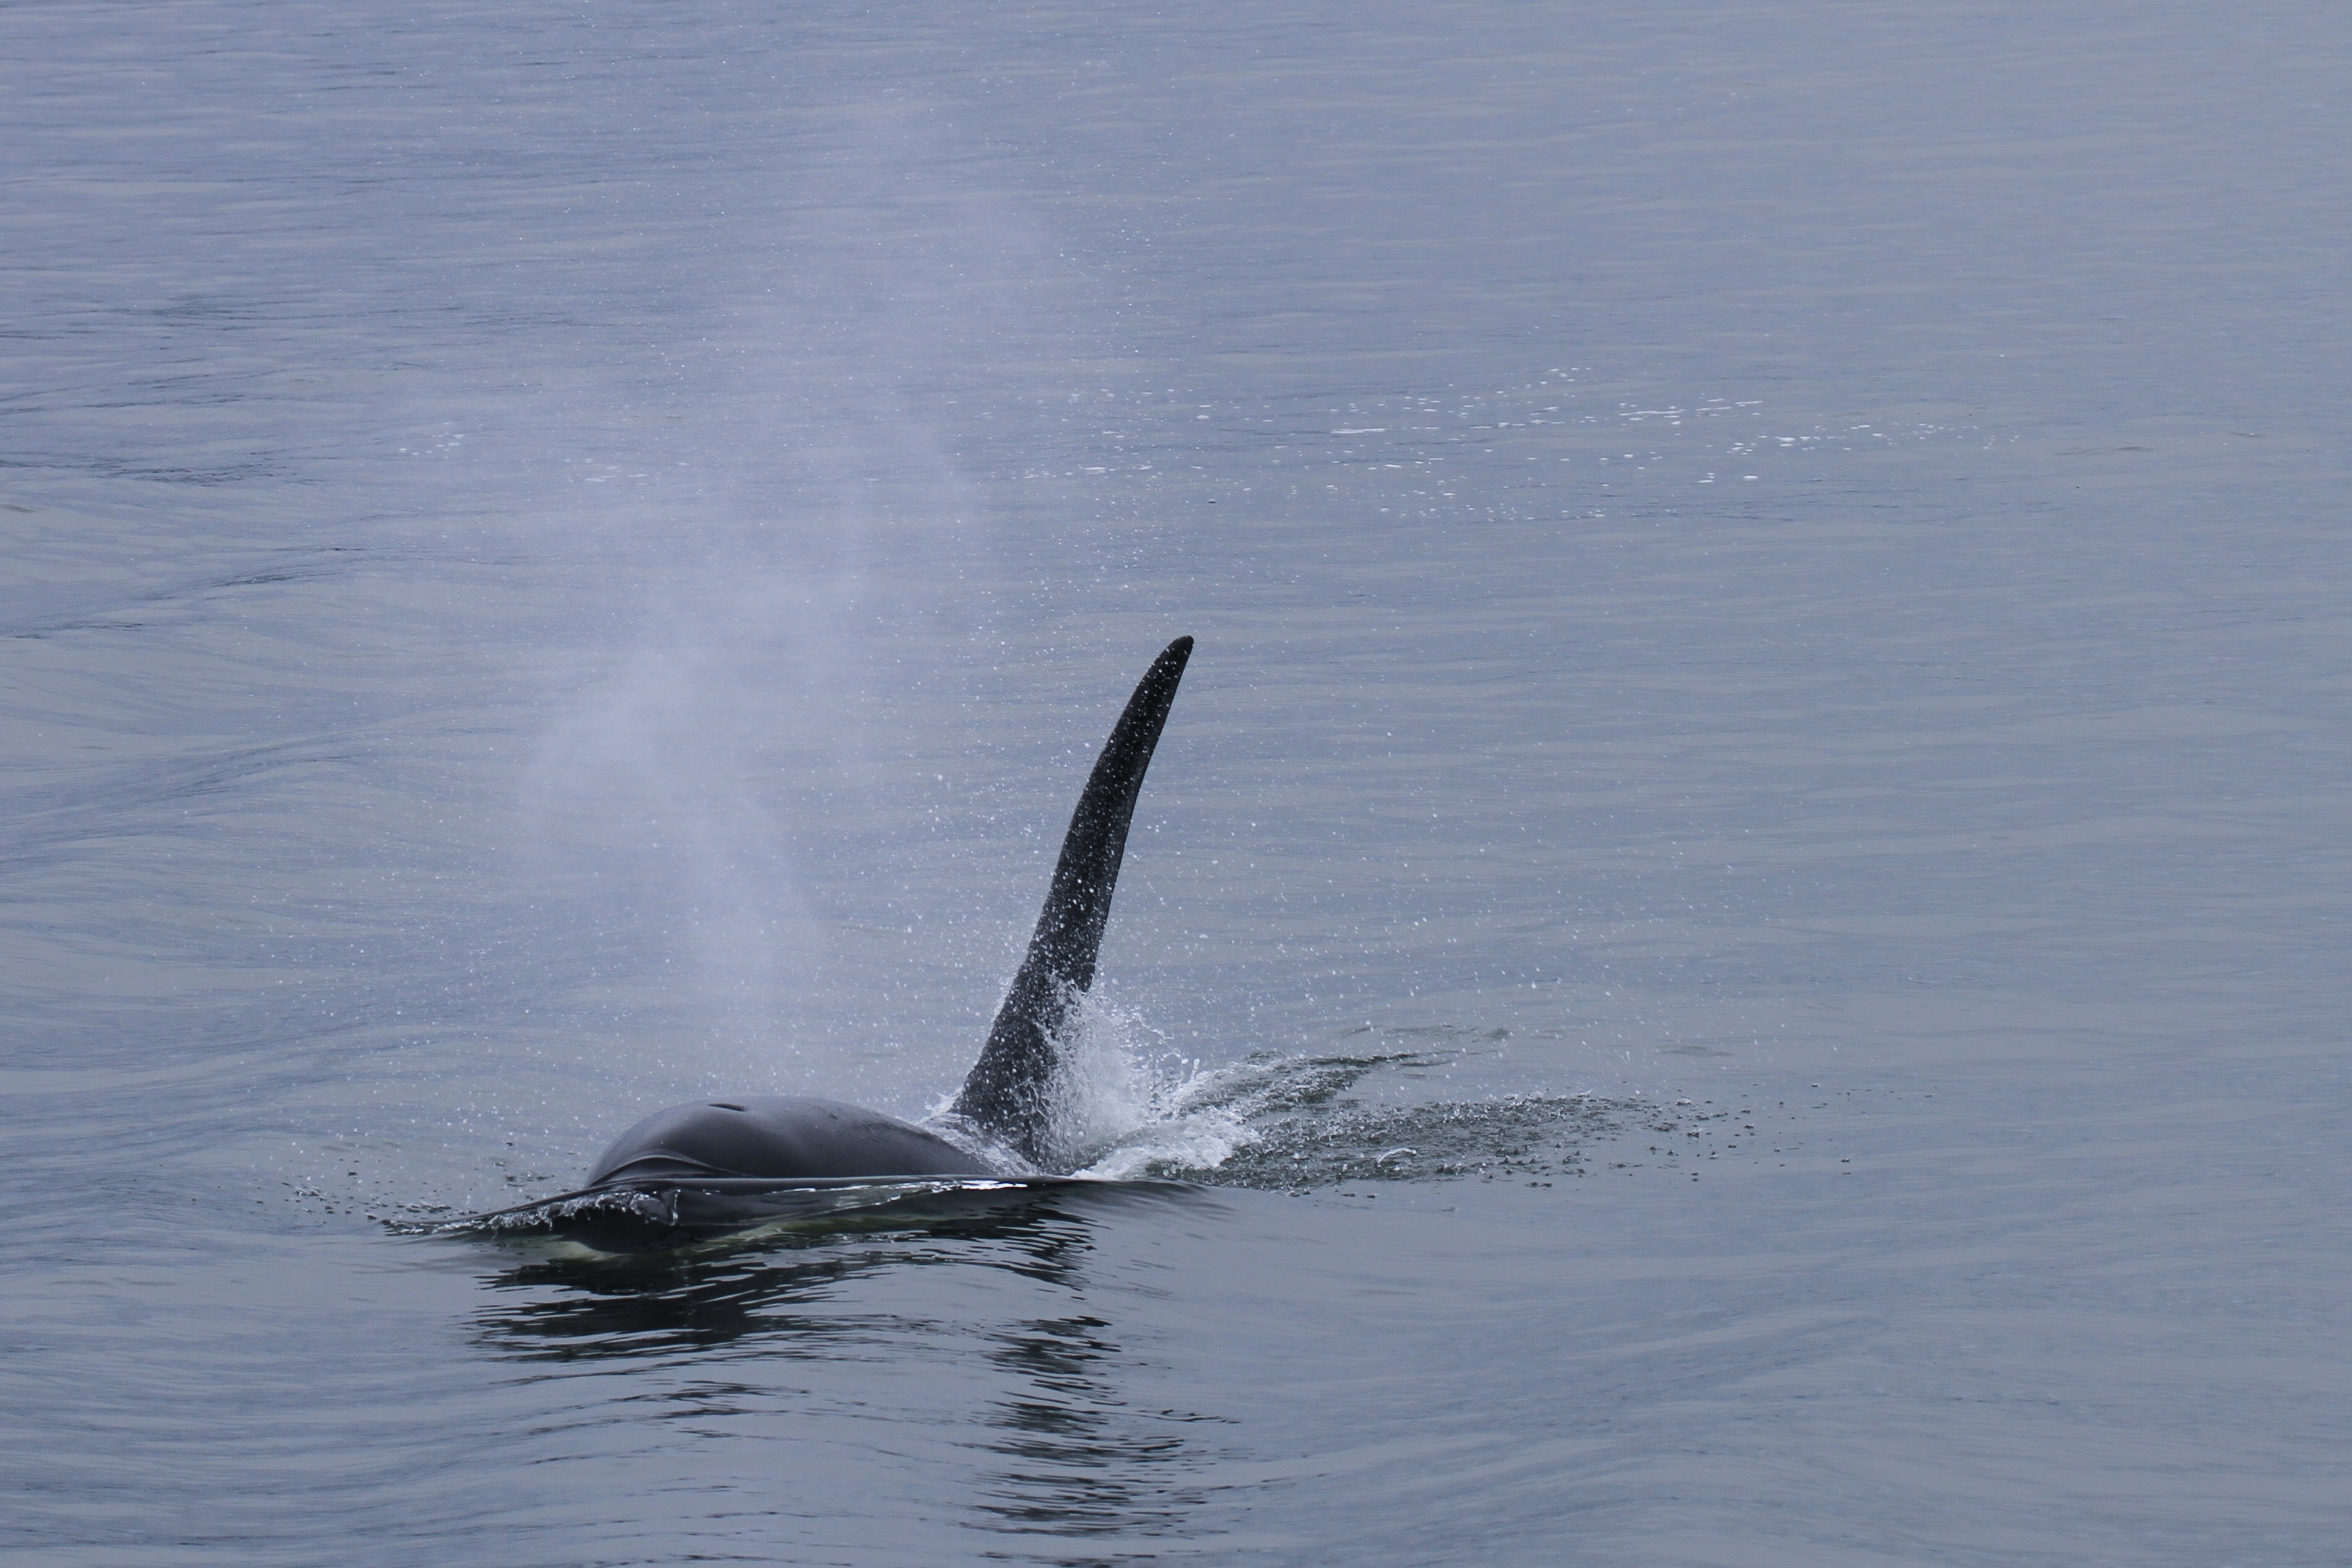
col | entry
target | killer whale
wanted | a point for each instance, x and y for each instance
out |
(1006, 1099)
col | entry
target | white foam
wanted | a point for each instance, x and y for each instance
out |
(1104, 1085)
(1123, 1105)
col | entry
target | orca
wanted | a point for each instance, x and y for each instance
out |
(1007, 1102)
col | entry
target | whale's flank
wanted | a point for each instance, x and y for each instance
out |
(1007, 1095)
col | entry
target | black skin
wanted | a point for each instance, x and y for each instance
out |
(781, 1138)
(1006, 1098)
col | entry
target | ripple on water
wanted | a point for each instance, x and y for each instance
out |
(1292, 1122)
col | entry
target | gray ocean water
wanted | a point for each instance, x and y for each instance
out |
(1771, 586)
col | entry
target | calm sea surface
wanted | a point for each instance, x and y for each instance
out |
(1781, 570)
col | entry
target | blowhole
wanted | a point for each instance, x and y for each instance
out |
(722, 1105)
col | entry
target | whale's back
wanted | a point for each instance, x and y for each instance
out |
(780, 1137)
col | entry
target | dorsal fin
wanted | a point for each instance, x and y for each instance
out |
(1006, 1093)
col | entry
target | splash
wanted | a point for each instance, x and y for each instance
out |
(1289, 1122)
(1513, 1135)
(1115, 1079)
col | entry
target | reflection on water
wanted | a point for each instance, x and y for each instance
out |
(657, 1303)
(1065, 1447)
(630, 1308)
(1081, 1461)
